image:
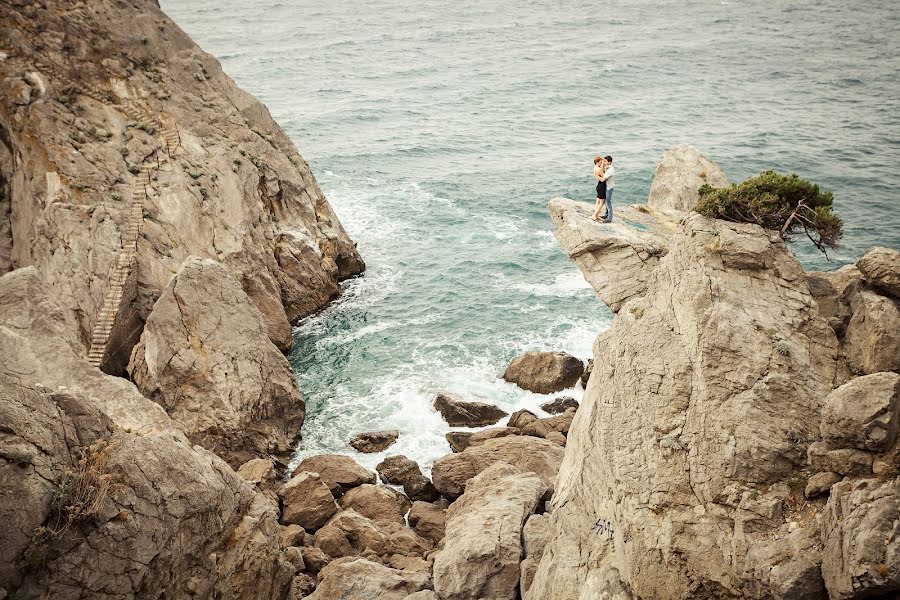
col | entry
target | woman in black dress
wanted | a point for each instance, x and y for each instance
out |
(599, 166)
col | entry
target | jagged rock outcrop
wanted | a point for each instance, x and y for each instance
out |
(374, 441)
(697, 443)
(134, 519)
(461, 413)
(205, 357)
(483, 541)
(679, 174)
(107, 94)
(881, 268)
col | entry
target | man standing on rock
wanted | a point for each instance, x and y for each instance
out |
(607, 177)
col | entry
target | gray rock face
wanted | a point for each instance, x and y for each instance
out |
(863, 413)
(460, 413)
(152, 523)
(706, 392)
(820, 483)
(679, 174)
(451, 472)
(862, 549)
(872, 342)
(544, 372)
(206, 358)
(374, 441)
(235, 189)
(483, 543)
(361, 579)
(881, 268)
(844, 461)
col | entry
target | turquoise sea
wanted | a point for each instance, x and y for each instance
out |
(440, 130)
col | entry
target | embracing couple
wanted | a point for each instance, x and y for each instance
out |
(603, 172)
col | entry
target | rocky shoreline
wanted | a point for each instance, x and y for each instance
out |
(738, 436)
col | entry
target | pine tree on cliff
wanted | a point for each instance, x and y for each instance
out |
(785, 203)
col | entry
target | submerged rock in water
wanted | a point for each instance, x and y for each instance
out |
(561, 404)
(374, 441)
(460, 413)
(544, 372)
(679, 174)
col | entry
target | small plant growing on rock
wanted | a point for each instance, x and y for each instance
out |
(785, 203)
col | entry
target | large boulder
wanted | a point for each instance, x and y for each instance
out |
(307, 501)
(690, 440)
(460, 413)
(377, 502)
(862, 549)
(399, 470)
(872, 341)
(483, 543)
(349, 533)
(834, 292)
(84, 502)
(451, 472)
(563, 403)
(361, 579)
(544, 372)
(339, 472)
(428, 520)
(679, 174)
(205, 357)
(881, 268)
(374, 441)
(863, 413)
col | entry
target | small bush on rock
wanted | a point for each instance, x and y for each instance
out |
(774, 201)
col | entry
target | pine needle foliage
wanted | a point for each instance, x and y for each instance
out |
(785, 203)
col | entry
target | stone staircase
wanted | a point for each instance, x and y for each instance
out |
(125, 261)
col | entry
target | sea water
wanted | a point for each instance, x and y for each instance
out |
(439, 131)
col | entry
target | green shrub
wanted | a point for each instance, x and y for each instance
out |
(785, 203)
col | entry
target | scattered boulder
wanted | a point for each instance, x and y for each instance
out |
(307, 501)
(492, 433)
(535, 535)
(295, 557)
(259, 471)
(861, 558)
(339, 472)
(349, 533)
(679, 174)
(451, 472)
(301, 586)
(881, 268)
(563, 403)
(374, 441)
(820, 483)
(230, 388)
(864, 413)
(789, 566)
(460, 413)
(428, 520)
(872, 341)
(844, 461)
(377, 502)
(361, 579)
(544, 372)
(458, 440)
(399, 470)
(313, 559)
(521, 419)
(483, 543)
(293, 535)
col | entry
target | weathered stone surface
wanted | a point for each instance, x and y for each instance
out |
(864, 413)
(428, 520)
(862, 549)
(295, 557)
(521, 419)
(377, 502)
(881, 268)
(292, 535)
(451, 472)
(820, 483)
(206, 358)
(423, 595)
(535, 535)
(844, 461)
(301, 587)
(834, 292)
(361, 579)
(561, 404)
(252, 202)
(152, 524)
(679, 174)
(399, 470)
(307, 501)
(460, 413)
(374, 441)
(544, 372)
(259, 471)
(872, 341)
(492, 433)
(617, 259)
(788, 569)
(314, 559)
(339, 472)
(458, 440)
(556, 437)
(349, 533)
(705, 394)
(483, 544)
(588, 369)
